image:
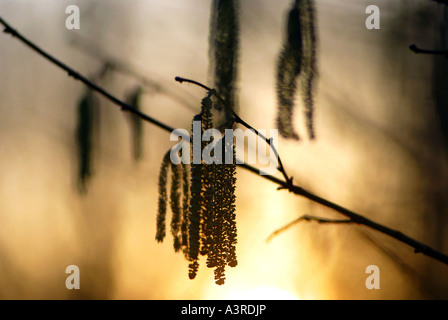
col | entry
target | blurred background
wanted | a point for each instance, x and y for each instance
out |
(381, 151)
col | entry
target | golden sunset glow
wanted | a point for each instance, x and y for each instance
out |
(263, 293)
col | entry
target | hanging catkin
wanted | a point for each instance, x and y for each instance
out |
(223, 232)
(288, 69)
(297, 63)
(309, 63)
(134, 99)
(228, 207)
(198, 201)
(220, 235)
(207, 179)
(163, 198)
(87, 109)
(223, 50)
(175, 204)
(194, 217)
(185, 208)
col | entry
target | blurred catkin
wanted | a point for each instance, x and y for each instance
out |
(87, 110)
(224, 50)
(297, 63)
(309, 63)
(134, 99)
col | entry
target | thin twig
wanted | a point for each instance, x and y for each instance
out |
(405, 268)
(129, 70)
(416, 49)
(356, 218)
(306, 218)
(181, 80)
(418, 246)
(441, 1)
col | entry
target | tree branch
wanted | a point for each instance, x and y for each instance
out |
(441, 1)
(129, 70)
(416, 49)
(288, 185)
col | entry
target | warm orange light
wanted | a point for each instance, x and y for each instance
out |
(263, 293)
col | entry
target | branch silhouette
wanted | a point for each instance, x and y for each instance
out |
(416, 49)
(283, 184)
(127, 69)
(441, 1)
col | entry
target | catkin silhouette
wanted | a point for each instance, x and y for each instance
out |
(134, 99)
(297, 64)
(309, 64)
(228, 207)
(175, 204)
(194, 218)
(223, 50)
(163, 198)
(223, 224)
(87, 109)
(185, 208)
(207, 179)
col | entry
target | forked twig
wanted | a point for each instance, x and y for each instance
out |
(237, 119)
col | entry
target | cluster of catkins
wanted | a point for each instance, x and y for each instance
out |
(202, 201)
